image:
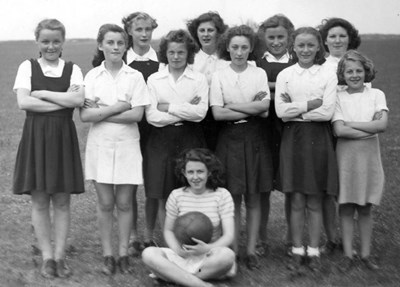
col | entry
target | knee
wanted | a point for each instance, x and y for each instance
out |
(364, 210)
(297, 203)
(346, 210)
(40, 203)
(106, 206)
(150, 255)
(314, 204)
(124, 206)
(253, 201)
(61, 202)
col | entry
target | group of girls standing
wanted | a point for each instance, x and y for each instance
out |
(274, 132)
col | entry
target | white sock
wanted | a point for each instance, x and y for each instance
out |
(312, 251)
(298, 250)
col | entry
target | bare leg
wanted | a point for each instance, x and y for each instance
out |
(134, 234)
(151, 209)
(365, 228)
(346, 212)
(287, 215)
(123, 196)
(265, 206)
(237, 199)
(297, 218)
(105, 208)
(62, 217)
(314, 209)
(42, 223)
(155, 259)
(329, 216)
(161, 212)
(217, 264)
(253, 215)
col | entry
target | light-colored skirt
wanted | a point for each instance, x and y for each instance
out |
(361, 176)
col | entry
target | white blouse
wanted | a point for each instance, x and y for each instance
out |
(303, 85)
(163, 89)
(359, 107)
(24, 74)
(228, 86)
(208, 64)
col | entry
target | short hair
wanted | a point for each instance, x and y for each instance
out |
(210, 16)
(320, 56)
(134, 17)
(103, 30)
(177, 36)
(355, 56)
(242, 30)
(273, 22)
(203, 155)
(50, 24)
(352, 32)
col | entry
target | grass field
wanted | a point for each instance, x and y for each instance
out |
(19, 266)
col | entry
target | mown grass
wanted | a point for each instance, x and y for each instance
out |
(19, 267)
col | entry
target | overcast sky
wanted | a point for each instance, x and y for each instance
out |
(82, 18)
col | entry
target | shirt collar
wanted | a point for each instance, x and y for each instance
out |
(164, 73)
(47, 69)
(132, 56)
(125, 68)
(312, 70)
(272, 59)
(332, 59)
(204, 55)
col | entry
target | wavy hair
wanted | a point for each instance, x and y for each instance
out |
(134, 17)
(320, 56)
(355, 56)
(352, 32)
(242, 30)
(177, 36)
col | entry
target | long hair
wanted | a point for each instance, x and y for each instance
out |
(242, 30)
(320, 56)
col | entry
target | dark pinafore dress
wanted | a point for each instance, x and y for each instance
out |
(48, 157)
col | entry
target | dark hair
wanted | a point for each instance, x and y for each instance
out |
(133, 17)
(355, 56)
(104, 29)
(272, 22)
(352, 32)
(214, 17)
(242, 30)
(50, 24)
(177, 36)
(320, 56)
(213, 164)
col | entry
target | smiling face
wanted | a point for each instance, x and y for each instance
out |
(337, 41)
(177, 55)
(113, 47)
(354, 75)
(141, 32)
(50, 43)
(239, 49)
(306, 47)
(196, 174)
(276, 40)
(207, 34)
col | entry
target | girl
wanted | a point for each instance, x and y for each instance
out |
(115, 98)
(361, 113)
(274, 34)
(179, 100)
(305, 99)
(200, 172)
(239, 95)
(142, 57)
(206, 30)
(48, 164)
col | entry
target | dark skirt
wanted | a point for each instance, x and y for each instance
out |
(245, 153)
(307, 159)
(48, 157)
(163, 147)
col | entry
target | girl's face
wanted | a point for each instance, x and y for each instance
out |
(207, 34)
(239, 49)
(113, 46)
(354, 75)
(337, 41)
(276, 40)
(50, 43)
(196, 174)
(141, 32)
(177, 55)
(306, 47)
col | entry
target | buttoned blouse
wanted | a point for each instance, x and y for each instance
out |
(208, 64)
(303, 85)
(228, 86)
(24, 74)
(359, 107)
(178, 94)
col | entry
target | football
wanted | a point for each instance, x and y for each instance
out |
(193, 224)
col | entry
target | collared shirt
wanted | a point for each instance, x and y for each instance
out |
(178, 94)
(228, 86)
(272, 59)
(359, 107)
(303, 85)
(208, 64)
(132, 56)
(24, 74)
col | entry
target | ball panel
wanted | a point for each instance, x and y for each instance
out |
(193, 224)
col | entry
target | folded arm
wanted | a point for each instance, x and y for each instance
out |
(74, 97)
(28, 103)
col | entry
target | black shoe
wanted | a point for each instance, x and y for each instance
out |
(124, 265)
(48, 269)
(63, 270)
(288, 249)
(369, 263)
(251, 261)
(329, 247)
(109, 265)
(346, 264)
(262, 249)
(314, 263)
(150, 243)
(295, 262)
(135, 248)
